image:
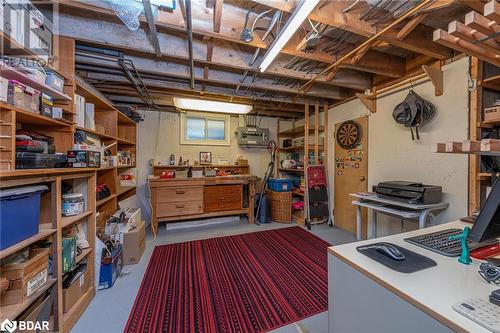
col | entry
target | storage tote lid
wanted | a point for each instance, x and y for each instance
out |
(22, 190)
(72, 196)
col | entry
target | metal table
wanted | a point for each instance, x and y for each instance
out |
(393, 208)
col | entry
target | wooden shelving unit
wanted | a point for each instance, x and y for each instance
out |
(52, 225)
(120, 131)
(313, 132)
(486, 93)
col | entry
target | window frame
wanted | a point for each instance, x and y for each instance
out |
(206, 116)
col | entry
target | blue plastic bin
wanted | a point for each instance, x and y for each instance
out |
(19, 214)
(280, 184)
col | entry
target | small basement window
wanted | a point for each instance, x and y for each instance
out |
(199, 128)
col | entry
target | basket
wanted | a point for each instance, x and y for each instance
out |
(280, 184)
(281, 206)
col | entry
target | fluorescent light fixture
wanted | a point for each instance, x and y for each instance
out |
(211, 106)
(301, 12)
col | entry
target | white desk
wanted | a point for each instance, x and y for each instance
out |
(394, 208)
(365, 296)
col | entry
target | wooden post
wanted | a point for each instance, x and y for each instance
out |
(476, 97)
(316, 133)
(306, 135)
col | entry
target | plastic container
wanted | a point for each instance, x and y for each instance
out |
(280, 184)
(54, 80)
(73, 204)
(16, 222)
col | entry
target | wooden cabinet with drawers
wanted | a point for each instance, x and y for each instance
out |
(175, 200)
(179, 201)
(223, 197)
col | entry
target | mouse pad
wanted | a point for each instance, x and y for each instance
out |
(413, 262)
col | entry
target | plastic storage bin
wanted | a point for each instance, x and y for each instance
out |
(19, 214)
(279, 184)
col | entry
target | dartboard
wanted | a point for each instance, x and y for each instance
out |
(349, 134)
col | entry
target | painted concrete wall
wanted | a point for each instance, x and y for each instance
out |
(393, 155)
(158, 137)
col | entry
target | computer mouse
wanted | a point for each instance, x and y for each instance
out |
(390, 250)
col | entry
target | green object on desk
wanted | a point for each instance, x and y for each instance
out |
(465, 256)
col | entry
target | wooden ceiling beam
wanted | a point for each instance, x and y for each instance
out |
(442, 37)
(492, 11)
(218, 5)
(218, 82)
(234, 18)
(410, 26)
(419, 41)
(473, 36)
(225, 55)
(482, 24)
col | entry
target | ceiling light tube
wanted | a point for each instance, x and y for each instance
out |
(301, 12)
(211, 106)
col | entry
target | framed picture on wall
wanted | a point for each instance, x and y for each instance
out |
(205, 157)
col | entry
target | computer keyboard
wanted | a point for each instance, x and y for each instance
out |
(438, 242)
(481, 312)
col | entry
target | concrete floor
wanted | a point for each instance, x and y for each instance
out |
(109, 310)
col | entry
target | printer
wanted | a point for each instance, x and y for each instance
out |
(410, 192)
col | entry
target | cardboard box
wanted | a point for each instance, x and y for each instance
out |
(25, 278)
(89, 116)
(4, 86)
(492, 113)
(84, 159)
(134, 243)
(72, 294)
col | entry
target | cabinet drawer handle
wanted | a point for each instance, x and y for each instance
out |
(180, 192)
(179, 206)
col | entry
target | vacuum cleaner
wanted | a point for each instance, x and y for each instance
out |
(272, 147)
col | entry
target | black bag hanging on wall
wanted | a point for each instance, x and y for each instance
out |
(414, 112)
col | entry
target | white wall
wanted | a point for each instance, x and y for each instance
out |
(392, 155)
(158, 137)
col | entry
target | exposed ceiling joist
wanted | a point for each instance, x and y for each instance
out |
(418, 41)
(152, 27)
(97, 71)
(218, 5)
(225, 55)
(410, 26)
(234, 19)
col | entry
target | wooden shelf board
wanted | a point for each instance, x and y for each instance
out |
(298, 148)
(103, 201)
(100, 135)
(291, 170)
(298, 131)
(27, 117)
(298, 193)
(85, 253)
(125, 142)
(105, 168)
(493, 79)
(14, 74)
(69, 220)
(126, 166)
(123, 119)
(488, 123)
(70, 317)
(201, 166)
(122, 190)
(14, 310)
(43, 233)
(44, 172)
(484, 176)
(92, 95)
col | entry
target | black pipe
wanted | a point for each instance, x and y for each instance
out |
(190, 40)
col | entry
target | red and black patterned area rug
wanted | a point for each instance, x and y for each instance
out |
(246, 283)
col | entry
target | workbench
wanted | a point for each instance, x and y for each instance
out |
(179, 199)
